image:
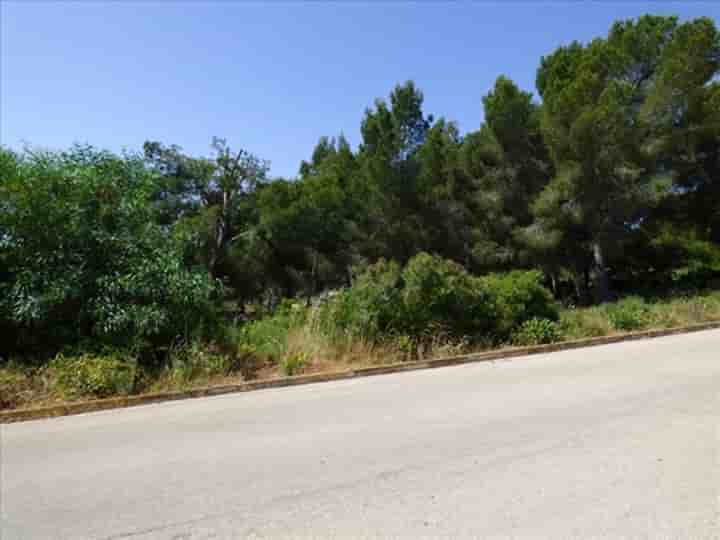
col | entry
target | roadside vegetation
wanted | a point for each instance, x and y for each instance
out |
(367, 324)
(594, 212)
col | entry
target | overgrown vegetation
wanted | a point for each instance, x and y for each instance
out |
(289, 343)
(92, 375)
(537, 331)
(596, 211)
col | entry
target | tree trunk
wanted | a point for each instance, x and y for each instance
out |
(603, 282)
(554, 285)
(217, 247)
(581, 283)
(313, 279)
(222, 236)
(578, 290)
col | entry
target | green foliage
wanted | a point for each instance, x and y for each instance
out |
(430, 295)
(701, 264)
(635, 313)
(519, 296)
(294, 363)
(434, 296)
(631, 313)
(441, 296)
(157, 300)
(367, 310)
(92, 375)
(621, 116)
(393, 134)
(267, 337)
(213, 197)
(84, 258)
(306, 227)
(537, 331)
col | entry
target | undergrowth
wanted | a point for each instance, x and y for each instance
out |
(355, 328)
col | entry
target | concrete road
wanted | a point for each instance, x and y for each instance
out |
(614, 441)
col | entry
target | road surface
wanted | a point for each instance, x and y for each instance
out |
(614, 441)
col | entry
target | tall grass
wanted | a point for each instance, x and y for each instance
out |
(636, 313)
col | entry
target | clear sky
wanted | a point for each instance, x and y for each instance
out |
(271, 77)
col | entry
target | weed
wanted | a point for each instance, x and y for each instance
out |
(537, 331)
(294, 363)
(631, 313)
(90, 375)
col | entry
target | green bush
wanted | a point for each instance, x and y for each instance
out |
(537, 331)
(267, 337)
(369, 310)
(82, 256)
(91, 375)
(518, 296)
(294, 363)
(430, 296)
(441, 296)
(631, 313)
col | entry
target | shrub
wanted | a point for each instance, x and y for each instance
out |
(631, 313)
(441, 296)
(429, 296)
(83, 257)
(91, 375)
(518, 296)
(407, 346)
(432, 296)
(294, 363)
(157, 301)
(368, 310)
(268, 336)
(537, 331)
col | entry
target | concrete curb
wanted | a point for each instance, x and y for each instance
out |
(22, 415)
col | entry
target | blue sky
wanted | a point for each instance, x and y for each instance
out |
(271, 77)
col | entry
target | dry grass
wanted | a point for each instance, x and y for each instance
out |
(337, 355)
(584, 323)
(23, 388)
(685, 311)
